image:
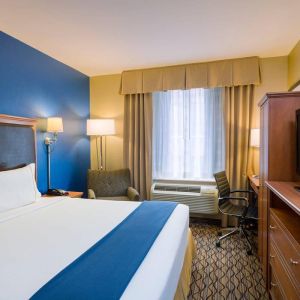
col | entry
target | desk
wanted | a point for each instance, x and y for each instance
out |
(254, 184)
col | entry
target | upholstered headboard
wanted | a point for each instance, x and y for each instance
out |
(17, 142)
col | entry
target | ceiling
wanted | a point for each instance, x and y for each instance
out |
(108, 36)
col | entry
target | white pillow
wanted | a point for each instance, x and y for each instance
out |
(18, 188)
(32, 167)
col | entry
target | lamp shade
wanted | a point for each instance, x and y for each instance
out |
(254, 137)
(55, 124)
(101, 127)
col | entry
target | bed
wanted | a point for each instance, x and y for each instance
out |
(39, 240)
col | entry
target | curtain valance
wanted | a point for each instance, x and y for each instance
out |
(223, 73)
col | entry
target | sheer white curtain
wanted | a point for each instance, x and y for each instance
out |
(188, 134)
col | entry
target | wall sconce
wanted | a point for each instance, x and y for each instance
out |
(100, 128)
(54, 126)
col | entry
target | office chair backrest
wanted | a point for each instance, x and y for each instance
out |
(222, 184)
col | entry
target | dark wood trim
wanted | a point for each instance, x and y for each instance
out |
(278, 95)
(286, 192)
(254, 183)
(284, 238)
(7, 119)
(277, 172)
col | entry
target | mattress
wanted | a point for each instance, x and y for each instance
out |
(41, 239)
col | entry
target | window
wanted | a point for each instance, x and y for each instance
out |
(188, 134)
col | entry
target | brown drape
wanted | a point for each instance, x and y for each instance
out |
(238, 104)
(138, 137)
(138, 141)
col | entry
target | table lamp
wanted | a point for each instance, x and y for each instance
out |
(254, 137)
(100, 128)
(255, 141)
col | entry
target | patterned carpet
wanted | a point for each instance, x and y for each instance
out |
(224, 273)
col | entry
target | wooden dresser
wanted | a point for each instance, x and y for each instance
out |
(278, 163)
(284, 240)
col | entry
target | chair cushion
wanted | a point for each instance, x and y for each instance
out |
(109, 183)
(231, 209)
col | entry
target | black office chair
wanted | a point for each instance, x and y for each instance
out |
(235, 206)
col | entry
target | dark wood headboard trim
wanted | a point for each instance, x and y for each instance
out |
(21, 121)
(6, 119)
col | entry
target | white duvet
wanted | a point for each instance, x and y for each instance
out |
(39, 240)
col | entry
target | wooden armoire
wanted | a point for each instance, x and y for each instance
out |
(278, 166)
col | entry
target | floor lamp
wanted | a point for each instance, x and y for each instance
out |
(54, 126)
(100, 128)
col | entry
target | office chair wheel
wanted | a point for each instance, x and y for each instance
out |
(218, 244)
(249, 252)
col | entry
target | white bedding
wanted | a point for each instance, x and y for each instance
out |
(39, 240)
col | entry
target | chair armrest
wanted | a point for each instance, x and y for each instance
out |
(241, 191)
(133, 194)
(241, 199)
(91, 194)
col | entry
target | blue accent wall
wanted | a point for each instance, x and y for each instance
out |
(35, 85)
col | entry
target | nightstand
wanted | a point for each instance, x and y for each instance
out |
(72, 194)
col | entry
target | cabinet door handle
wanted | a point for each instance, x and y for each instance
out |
(294, 262)
(272, 256)
(273, 284)
(272, 227)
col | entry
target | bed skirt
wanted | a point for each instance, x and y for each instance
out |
(183, 286)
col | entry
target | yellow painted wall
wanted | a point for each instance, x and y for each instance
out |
(274, 74)
(294, 66)
(105, 102)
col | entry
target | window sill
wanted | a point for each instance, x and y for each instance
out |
(185, 181)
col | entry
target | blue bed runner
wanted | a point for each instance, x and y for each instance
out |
(104, 270)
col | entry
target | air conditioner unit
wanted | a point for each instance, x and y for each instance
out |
(200, 198)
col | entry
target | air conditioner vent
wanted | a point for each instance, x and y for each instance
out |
(200, 198)
(179, 188)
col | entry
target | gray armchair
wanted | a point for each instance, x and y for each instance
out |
(112, 185)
